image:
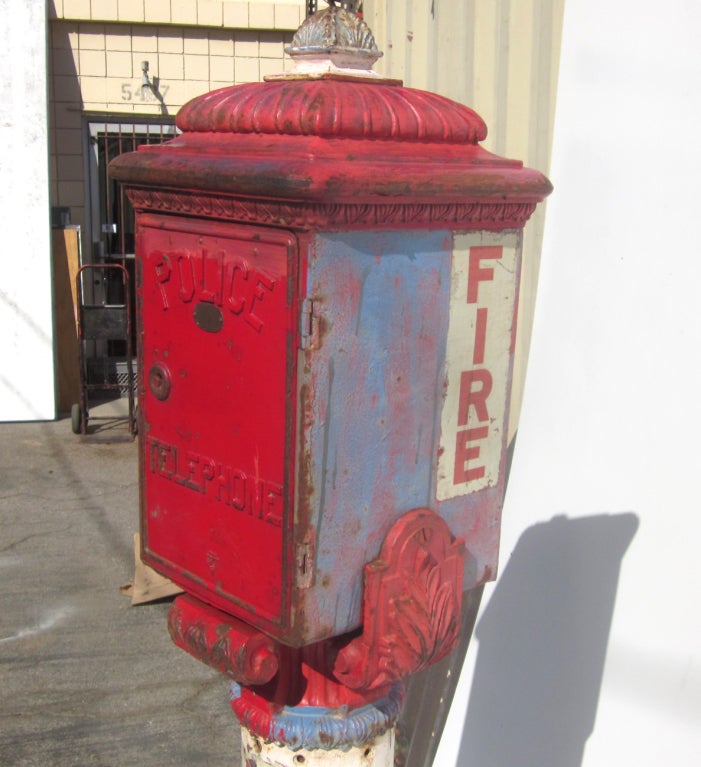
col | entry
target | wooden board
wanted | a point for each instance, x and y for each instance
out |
(66, 262)
(148, 585)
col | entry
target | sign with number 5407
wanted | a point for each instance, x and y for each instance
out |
(144, 93)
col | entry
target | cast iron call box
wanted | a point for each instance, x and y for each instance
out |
(328, 272)
(295, 404)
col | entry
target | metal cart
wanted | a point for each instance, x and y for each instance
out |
(109, 326)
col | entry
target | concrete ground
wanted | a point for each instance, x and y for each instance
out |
(85, 678)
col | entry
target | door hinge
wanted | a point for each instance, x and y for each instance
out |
(309, 326)
(305, 565)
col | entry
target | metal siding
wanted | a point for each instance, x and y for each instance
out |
(501, 58)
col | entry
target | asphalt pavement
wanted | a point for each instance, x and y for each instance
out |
(87, 679)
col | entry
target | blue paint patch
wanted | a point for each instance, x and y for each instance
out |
(331, 729)
(375, 388)
(377, 379)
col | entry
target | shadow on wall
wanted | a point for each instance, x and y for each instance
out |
(542, 645)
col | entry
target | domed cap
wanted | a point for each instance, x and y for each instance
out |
(333, 108)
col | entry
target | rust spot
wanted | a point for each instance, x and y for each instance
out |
(325, 738)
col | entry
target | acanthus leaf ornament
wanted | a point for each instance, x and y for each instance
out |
(412, 602)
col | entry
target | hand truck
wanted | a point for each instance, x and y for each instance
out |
(108, 323)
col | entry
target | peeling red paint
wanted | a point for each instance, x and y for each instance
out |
(366, 202)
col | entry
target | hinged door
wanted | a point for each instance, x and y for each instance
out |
(217, 362)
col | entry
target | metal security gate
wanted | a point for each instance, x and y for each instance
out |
(111, 215)
(110, 226)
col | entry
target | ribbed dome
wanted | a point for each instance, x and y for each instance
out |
(333, 107)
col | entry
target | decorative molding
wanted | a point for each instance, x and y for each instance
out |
(223, 642)
(412, 603)
(313, 727)
(301, 215)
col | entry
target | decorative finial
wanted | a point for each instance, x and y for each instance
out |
(334, 40)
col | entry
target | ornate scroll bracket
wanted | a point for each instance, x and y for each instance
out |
(412, 602)
(223, 642)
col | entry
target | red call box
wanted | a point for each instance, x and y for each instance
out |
(326, 312)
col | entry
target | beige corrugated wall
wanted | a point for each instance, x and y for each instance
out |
(499, 57)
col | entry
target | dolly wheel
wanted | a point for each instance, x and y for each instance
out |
(76, 418)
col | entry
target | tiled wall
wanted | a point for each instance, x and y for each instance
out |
(96, 67)
(256, 14)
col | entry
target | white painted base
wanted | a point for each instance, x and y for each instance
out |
(375, 753)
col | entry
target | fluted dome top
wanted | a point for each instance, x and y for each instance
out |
(333, 107)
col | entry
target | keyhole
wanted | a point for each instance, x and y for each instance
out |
(159, 381)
